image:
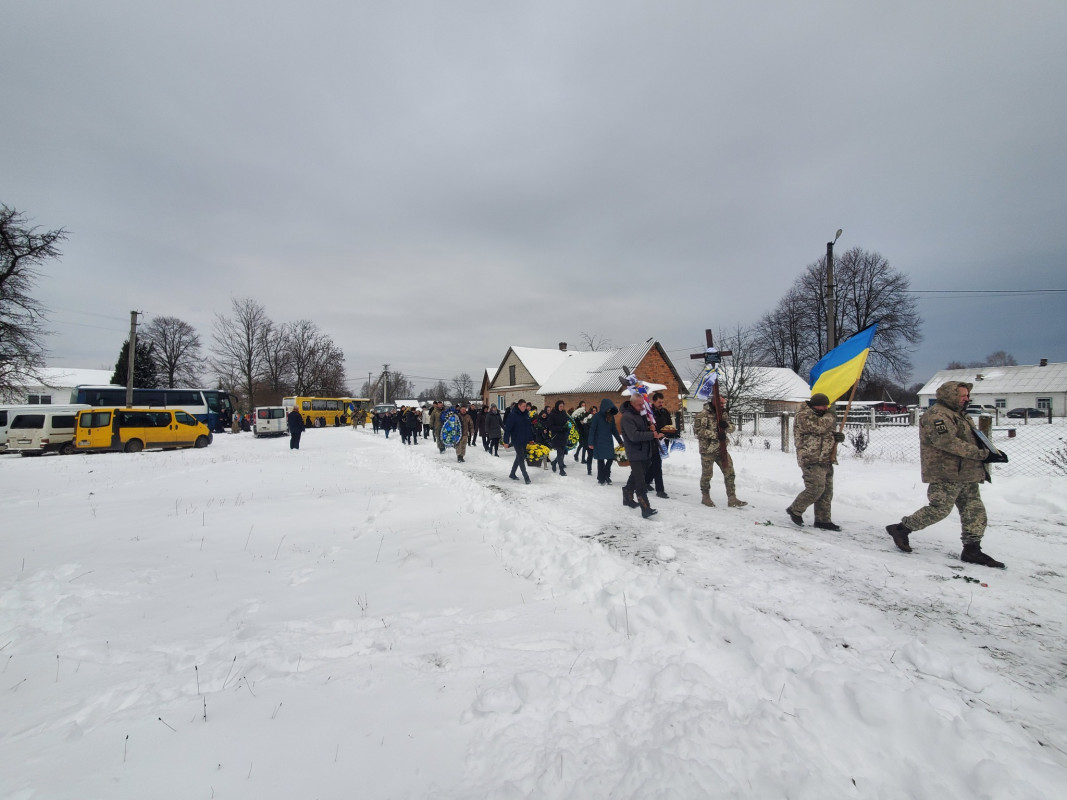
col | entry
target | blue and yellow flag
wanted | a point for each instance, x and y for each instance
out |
(841, 367)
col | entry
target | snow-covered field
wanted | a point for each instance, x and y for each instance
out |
(363, 619)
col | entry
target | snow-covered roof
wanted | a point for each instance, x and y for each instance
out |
(1003, 380)
(69, 377)
(771, 383)
(595, 371)
(540, 362)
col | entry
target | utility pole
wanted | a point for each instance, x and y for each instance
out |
(370, 389)
(831, 304)
(385, 383)
(130, 356)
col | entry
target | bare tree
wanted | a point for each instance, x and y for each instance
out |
(439, 391)
(400, 386)
(868, 290)
(23, 250)
(781, 337)
(1001, 358)
(238, 345)
(303, 339)
(328, 369)
(744, 382)
(176, 349)
(594, 341)
(277, 369)
(462, 387)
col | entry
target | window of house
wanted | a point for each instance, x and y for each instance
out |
(511, 375)
(1044, 403)
(39, 400)
(1001, 402)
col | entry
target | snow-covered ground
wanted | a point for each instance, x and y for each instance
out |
(363, 619)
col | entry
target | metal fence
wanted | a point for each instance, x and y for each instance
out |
(1034, 447)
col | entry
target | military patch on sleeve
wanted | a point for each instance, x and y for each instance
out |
(940, 428)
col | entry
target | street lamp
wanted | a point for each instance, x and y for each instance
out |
(831, 310)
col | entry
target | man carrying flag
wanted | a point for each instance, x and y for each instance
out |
(815, 436)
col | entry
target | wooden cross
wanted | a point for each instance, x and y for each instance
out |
(716, 398)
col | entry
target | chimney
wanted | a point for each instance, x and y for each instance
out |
(563, 346)
(1044, 362)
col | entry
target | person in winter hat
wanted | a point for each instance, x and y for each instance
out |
(816, 443)
(954, 465)
(708, 428)
(558, 423)
(599, 442)
(638, 437)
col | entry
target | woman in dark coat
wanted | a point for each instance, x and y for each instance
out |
(558, 424)
(599, 443)
(494, 427)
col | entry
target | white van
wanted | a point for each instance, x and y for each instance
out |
(36, 430)
(269, 421)
(8, 413)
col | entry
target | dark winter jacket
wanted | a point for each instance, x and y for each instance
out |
(518, 432)
(637, 436)
(602, 431)
(493, 425)
(296, 422)
(558, 429)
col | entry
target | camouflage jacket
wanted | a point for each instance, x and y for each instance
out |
(813, 436)
(947, 445)
(705, 428)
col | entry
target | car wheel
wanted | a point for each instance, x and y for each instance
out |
(134, 446)
(201, 441)
(68, 449)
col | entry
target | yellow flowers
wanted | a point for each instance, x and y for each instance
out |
(572, 436)
(535, 452)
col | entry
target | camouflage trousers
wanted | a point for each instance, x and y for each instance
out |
(461, 445)
(707, 469)
(941, 498)
(818, 490)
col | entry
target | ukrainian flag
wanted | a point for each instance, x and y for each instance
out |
(839, 369)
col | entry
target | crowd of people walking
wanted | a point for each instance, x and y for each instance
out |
(954, 456)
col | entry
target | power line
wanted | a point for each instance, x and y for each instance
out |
(985, 291)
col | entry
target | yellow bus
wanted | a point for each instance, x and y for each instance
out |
(134, 429)
(320, 412)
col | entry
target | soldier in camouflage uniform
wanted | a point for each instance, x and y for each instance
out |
(815, 441)
(708, 430)
(954, 466)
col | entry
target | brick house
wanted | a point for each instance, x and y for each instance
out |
(542, 376)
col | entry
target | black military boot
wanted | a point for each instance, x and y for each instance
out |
(646, 509)
(972, 554)
(628, 498)
(796, 518)
(827, 526)
(900, 532)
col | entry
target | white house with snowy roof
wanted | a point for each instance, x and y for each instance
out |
(57, 382)
(1041, 385)
(769, 389)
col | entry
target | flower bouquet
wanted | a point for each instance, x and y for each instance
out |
(572, 435)
(620, 456)
(536, 454)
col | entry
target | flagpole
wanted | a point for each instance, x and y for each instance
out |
(844, 419)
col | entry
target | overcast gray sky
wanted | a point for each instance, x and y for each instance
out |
(432, 182)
